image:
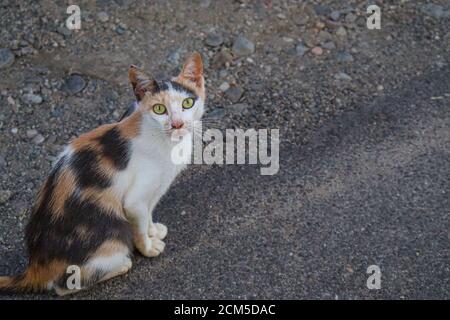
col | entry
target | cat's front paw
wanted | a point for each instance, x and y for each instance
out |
(157, 230)
(151, 247)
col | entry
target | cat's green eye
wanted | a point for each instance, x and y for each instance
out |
(159, 108)
(188, 103)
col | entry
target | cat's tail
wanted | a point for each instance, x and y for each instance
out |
(34, 279)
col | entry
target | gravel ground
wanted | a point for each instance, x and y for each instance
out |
(363, 118)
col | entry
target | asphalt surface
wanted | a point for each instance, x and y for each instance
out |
(370, 188)
(364, 132)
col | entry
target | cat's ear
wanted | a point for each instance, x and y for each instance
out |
(141, 82)
(193, 70)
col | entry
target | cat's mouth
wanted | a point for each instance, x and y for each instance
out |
(178, 133)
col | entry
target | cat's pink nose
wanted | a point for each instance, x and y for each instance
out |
(177, 124)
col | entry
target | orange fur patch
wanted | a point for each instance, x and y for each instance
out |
(65, 187)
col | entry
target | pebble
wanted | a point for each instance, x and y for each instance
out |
(234, 94)
(301, 49)
(242, 46)
(224, 86)
(238, 108)
(342, 76)
(120, 30)
(31, 98)
(38, 139)
(2, 162)
(317, 51)
(216, 113)
(350, 18)
(14, 130)
(320, 25)
(322, 10)
(31, 133)
(103, 16)
(64, 31)
(221, 58)
(205, 3)
(74, 84)
(344, 56)
(341, 32)
(174, 57)
(5, 195)
(214, 40)
(329, 45)
(335, 15)
(434, 10)
(6, 58)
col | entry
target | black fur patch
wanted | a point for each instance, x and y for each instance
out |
(179, 87)
(84, 163)
(59, 238)
(115, 148)
(164, 86)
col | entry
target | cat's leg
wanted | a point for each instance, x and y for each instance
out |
(155, 229)
(112, 259)
(137, 212)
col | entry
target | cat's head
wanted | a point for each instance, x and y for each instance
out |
(173, 104)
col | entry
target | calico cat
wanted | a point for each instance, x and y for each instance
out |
(97, 203)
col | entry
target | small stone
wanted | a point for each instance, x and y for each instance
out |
(301, 49)
(174, 57)
(103, 16)
(329, 45)
(344, 56)
(221, 58)
(350, 18)
(216, 114)
(64, 31)
(380, 87)
(2, 162)
(317, 51)
(224, 86)
(74, 84)
(341, 32)
(322, 10)
(335, 15)
(120, 30)
(320, 25)
(434, 10)
(10, 100)
(5, 195)
(31, 133)
(31, 98)
(238, 108)
(14, 130)
(342, 76)
(223, 73)
(243, 47)
(38, 139)
(205, 3)
(234, 94)
(6, 58)
(281, 16)
(214, 40)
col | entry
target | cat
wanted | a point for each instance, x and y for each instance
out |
(98, 200)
